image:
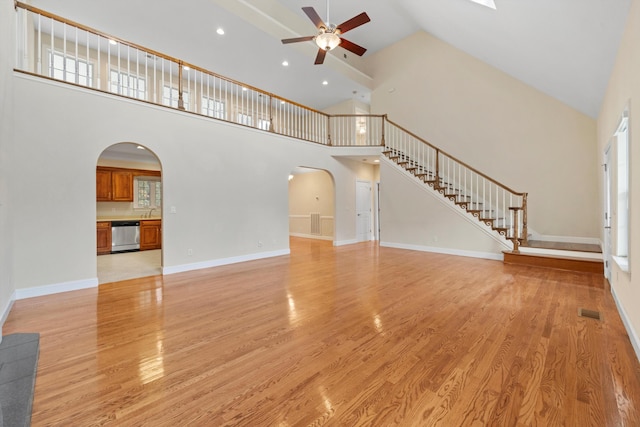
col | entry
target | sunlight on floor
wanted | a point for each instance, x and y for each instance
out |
(129, 265)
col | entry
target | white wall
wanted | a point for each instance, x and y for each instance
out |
(499, 125)
(228, 184)
(418, 218)
(6, 143)
(623, 90)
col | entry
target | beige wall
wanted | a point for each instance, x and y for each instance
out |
(311, 193)
(623, 90)
(7, 284)
(506, 129)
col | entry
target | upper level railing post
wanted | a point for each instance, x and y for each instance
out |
(271, 127)
(328, 130)
(180, 100)
(437, 183)
(384, 123)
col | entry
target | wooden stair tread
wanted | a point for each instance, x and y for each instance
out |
(586, 265)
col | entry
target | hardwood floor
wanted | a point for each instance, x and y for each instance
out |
(354, 335)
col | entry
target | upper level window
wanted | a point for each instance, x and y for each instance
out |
(127, 84)
(147, 192)
(170, 97)
(264, 124)
(213, 108)
(70, 69)
(622, 181)
(245, 119)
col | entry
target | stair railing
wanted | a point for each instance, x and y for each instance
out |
(492, 202)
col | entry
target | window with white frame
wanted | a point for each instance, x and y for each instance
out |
(170, 97)
(70, 69)
(147, 192)
(264, 124)
(213, 108)
(245, 119)
(127, 84)
(622, 181)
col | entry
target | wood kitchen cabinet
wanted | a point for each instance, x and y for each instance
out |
(114, 185)
(103, 234)
(150, 234)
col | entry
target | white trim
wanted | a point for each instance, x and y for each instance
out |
(564, 239)
(311, 236)
(633, 337)
(560, 252)
(345, 242)
(222, 261)
(622, 262)
(507, 245)
(446, 251)
(6, 311)
(56, 288)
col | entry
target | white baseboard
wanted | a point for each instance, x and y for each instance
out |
(446, 251)
(311, 236)
(633, 337)
(56, 288)
(223, 261)
(345, 242)
(6, 311)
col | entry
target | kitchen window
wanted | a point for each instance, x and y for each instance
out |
(147, 192)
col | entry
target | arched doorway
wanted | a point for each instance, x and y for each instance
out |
(128, 213)
(311, 204)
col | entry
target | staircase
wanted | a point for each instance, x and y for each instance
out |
(490, 202)
(485, 199)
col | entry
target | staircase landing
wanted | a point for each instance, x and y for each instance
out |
(559, 255)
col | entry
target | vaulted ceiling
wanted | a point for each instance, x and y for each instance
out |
(564, 48)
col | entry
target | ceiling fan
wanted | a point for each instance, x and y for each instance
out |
(328, 36)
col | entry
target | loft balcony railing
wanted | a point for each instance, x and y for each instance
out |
(53, 47)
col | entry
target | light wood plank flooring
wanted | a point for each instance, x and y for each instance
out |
(354, 335)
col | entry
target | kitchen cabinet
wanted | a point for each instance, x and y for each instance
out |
(150, 234)
(114, 185)
(103, 237)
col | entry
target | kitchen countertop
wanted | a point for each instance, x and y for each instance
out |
(126, 218)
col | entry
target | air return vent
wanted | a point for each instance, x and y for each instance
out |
(591, 314)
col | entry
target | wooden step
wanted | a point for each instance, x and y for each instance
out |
(585, 265)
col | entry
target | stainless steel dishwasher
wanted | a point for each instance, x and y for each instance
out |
(125, 236)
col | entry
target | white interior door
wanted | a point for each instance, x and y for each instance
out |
(606, 251)
(363, 211)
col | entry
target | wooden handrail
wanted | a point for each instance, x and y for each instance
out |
(439, 151)
(42, 12)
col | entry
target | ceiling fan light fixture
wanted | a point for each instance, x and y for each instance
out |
(327, 40)
(488, 3)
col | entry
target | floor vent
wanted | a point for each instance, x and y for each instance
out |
(592, 314)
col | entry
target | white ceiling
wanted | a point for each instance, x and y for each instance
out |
(564, 48)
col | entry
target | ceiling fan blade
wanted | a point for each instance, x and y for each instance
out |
(352, 23)
(352, 47)
(297, 39)
(315, 18)
(320, 58)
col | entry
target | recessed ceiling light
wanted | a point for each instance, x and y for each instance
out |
(281, 102)
(186, 68)
(325, 82)
(140, 147)
(488, 3)
(376, 161)
(220, 31)
(285, 63)
(245, 89)
(113, 42)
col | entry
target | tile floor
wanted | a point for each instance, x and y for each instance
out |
(129, 265)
